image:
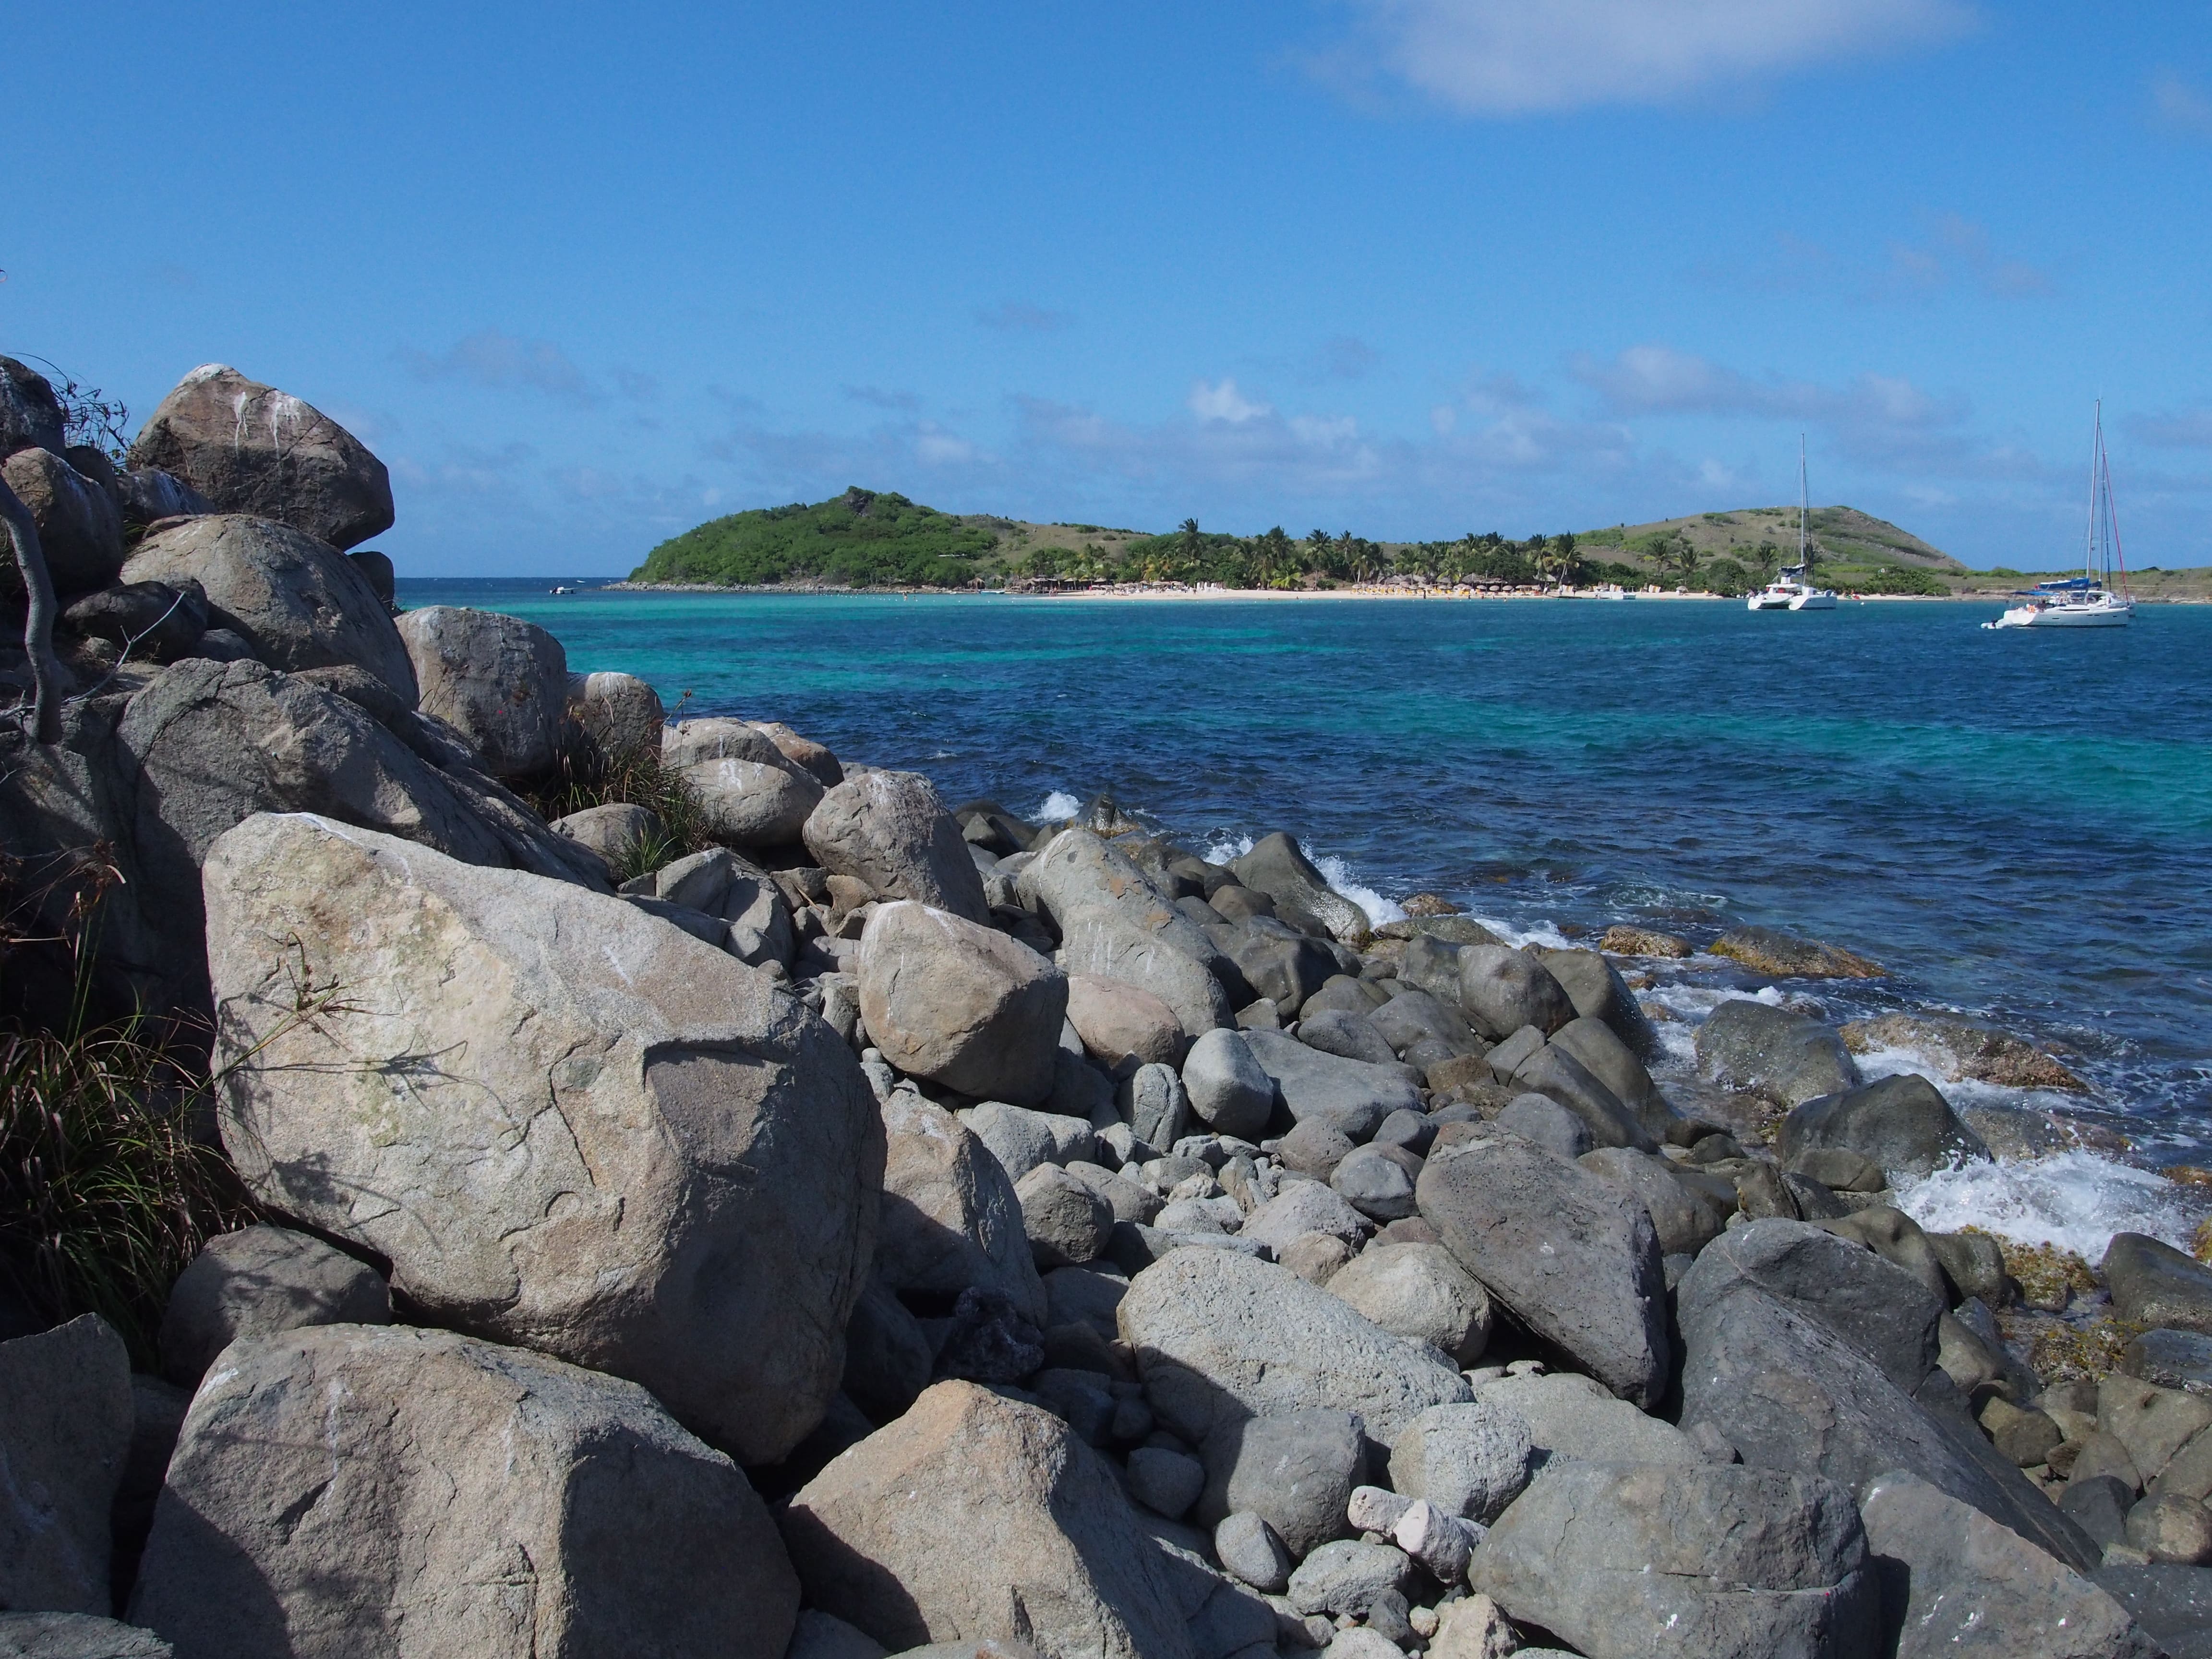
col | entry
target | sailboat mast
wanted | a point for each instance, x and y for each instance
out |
(1804, 502)
(2096, 464)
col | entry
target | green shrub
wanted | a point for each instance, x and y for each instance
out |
(862, 537)
(588, 776)
(1902, 579)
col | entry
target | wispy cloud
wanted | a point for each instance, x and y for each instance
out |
(500, 360)
(877, 396)
(1514, 57)
(1221, 401)
(1011, 317)
(2178, 106)
(2187, 428)
(1957, 250)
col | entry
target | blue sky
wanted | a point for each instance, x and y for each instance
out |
(585, 277)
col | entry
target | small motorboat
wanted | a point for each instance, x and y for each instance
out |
(1794, 589)
(2090, 600)
(1611, 591)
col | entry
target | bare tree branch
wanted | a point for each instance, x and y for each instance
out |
(45, 725)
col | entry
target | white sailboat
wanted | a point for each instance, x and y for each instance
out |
(2088, 600)
(1794, 589)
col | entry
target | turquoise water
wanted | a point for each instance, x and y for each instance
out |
(2019, 825)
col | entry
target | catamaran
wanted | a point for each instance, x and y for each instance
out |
(1794, 589)
(2088, 600)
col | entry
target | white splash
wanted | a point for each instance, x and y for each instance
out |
(1226, 848)
(1379, 909)
(1059, 807)
(1541, 935)
(2076, 1200)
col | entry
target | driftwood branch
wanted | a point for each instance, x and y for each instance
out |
(38, 625)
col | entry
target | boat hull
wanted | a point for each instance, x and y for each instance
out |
(2056, 615)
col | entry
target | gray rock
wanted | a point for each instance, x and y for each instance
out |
(1414, 1016)
(153, 620)
(1280, 965)
(374, 566)
(2098, 1504)
(1431, 963)
(1294, 1470)
(1574, 1417)
(1552, 1071)
(1503, 990)
(1087, 1295)
(960, 1004)
(1122, 1026)
(1348, 1578)
(2171, 1360)
(1470, 1460)
(1599, 1051)
(621, 1146)
(1598, 992)
(1278, 867)
(618, 714)
(1152, 1102)
(1560, 1130)
(950, 1217)
(1076, 875)
(1313, 1149)
(2171, 1604)
(1770, 950)
(748, 793)
(1414, 1131)
(1247, 1547)
(1220, 1336)
(1349, 1095)
(1571, 1256)
(1710, 1559)
(739, 894)
(1067, 1224)
(824, 1636)
(30, 413)
(1021, 1139)
(1124, 1197)
(1685, 1219)
(619, 832)
(259, 1281)
(297, 602)
(1778, 1053)
(1788, 1393)
(1229, 1089)
(76, 1636)
(1877, 1307)
(1954, 1581)
(1348, 1035)
(500, 682)
(1165, 1482)
(887, 1355)
(1377, 1182)
(2154, 1283)
(1104, 943)
(65, 1422)
(978, 1518)
(80, 530)
(2153, 1423)
(1903, 1123)
(890, 830)
(1303, 1207)
(347, 1478)
(1419, 1292)
(250, 448)
(1513, 1051)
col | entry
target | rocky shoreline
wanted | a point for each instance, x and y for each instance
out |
(897, 1227)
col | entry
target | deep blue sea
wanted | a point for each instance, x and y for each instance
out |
(2018, 824)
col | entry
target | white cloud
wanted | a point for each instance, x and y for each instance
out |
(2178, 106)
(1523, 56)
(492, 358)
(1223, 402)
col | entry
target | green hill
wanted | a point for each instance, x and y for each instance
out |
(859, 538)
(1850, 548)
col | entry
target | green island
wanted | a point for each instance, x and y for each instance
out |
(871, 538)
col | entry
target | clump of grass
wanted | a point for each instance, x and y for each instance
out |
(106, 1191)
(589, 776)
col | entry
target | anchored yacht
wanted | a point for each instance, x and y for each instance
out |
(1794, 590)
(2089, 600)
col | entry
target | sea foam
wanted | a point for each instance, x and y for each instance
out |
(1379, 909)
(1059, 807)
(2075, 1200)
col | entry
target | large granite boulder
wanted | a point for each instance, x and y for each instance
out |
(80, 530)
(619, 1146)
(152, 620)
(30, 414)
(747, 792)
(1571, 1256)
(1598, 1048)
(1229, 1089)
(2154, 1283)
(803, 752)
(1278, 866)
(1786, 955)
(950, 1218)
(1778, 1053)
(1626, 1560)
(1598, 992)
(1554, 1073)
(1780, 1380)
(1352, 1095)
(1122, 1026)
(296, 601)
(1685, 1218)
(960, 1004)
(65, 1418)
(1885, 1312)
(499, 681)
(1502, 989)
(1107, 946)
(1902, 1123)
(619, 714)
(251, 448)
(351, 1489)
(257, 1282)
(1419, 1292)
(976, 1519)
(889, 831)
(1078, 875)
(1570, 1416)
(1296, 1470)
(1220, 1336)
(718, 882)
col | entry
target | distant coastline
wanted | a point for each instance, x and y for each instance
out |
(1127, 592)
